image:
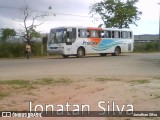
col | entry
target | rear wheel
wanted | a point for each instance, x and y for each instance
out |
(80, 53)
(103, 54)
(65, 56)
(117, 51)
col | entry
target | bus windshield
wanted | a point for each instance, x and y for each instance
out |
(57, 36)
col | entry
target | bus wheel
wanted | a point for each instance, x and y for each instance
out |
(80, 53)
(117, 51)
(65, 56)
(103, 54)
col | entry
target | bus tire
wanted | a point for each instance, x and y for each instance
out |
(103, 54)
(117, 51)
(65, 56)
(80, 53)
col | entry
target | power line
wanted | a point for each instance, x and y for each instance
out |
(53, 13)
(72, 14)
(8, 7)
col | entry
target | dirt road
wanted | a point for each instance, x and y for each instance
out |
(124, 65)
(128, 79)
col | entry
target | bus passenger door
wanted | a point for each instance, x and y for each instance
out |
(71, 37)
(68, 46)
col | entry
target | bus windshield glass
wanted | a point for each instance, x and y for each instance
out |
(57, 36)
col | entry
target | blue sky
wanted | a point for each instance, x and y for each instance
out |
(149, 23)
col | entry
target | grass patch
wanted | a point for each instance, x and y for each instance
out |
(3, 95)
(16, 86)
(137, 82)
(157, 78)
(157, 97)
(52, 81)
(43, 81)
(22, 83)
(105, 79)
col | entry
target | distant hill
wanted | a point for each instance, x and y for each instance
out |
(146, 38)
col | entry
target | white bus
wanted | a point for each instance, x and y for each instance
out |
(79, 41)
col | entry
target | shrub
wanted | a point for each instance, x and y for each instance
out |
(146, 47)
(17, 50)
(36, 49)
(5, 50)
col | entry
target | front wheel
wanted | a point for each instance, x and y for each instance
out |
(80, 53)
(117, 51)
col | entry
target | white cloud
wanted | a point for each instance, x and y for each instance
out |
(7, 23)
(150, 9)
(148, 23)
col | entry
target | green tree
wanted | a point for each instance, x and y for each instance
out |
(6, 33)
(116, 13)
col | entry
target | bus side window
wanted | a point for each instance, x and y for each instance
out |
(130, 34)
(73, 35)
(87, 33)
(78, 32)
(94, 34)
(113, 35)
(119, 35)
(116, 33)
(82, 33)
(107, 34)
(124, 34)
(102, 34)
(99, 33)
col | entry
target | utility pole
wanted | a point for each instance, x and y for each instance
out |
(159, 30)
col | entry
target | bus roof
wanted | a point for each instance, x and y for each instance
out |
(94, 28)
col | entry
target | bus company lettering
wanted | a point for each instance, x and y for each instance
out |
(89, 43)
